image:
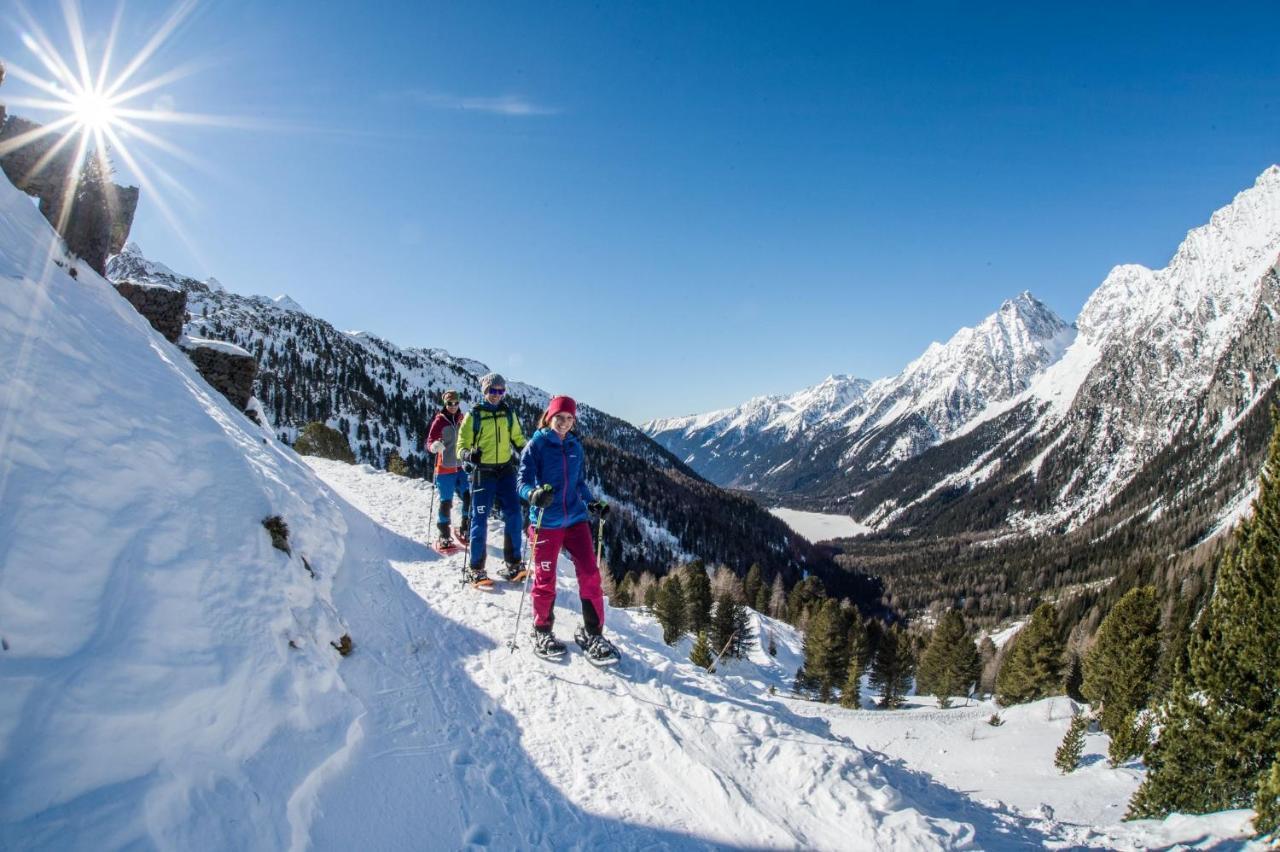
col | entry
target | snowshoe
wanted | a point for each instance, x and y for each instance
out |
(512, 572)
(445, 547)
(599, 651)
(546, 645)
(478, 578)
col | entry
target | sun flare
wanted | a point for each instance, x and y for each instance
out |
(97, 102)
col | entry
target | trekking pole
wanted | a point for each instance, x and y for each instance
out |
(431, 516)
(466, 548)
(599, 542)
(533, 552)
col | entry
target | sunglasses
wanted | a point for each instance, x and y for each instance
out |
(451, 402)
(495, 391)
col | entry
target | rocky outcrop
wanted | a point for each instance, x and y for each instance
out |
(164, 307)
(230, 369)
(95, 218)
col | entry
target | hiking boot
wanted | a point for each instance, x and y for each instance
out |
(476, 576)
(546, 645)
(512, 572)
(599, 650)
(445, 544)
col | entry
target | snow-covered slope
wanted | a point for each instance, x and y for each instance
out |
(851, 430)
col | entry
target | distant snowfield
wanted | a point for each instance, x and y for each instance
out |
(816, 526)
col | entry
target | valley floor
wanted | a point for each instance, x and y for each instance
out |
(466, 743)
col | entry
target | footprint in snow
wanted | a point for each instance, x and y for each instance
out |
(476, 835)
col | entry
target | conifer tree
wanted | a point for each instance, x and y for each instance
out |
(1129, 738)
(752, 585)
(722, 625)
(697, 596)
(761, 602)
(1121, 667)
(646, 590)
(1067, 757)
(950, 664)
(1221, 722)
(670, 609)
(824, 661)
(743, 637)
(859, 643)
(622, 595)
(700, 655)
(1033, 667)
(892, 667)
(1073, 680)
(851, 691)
(1267, 800)
(778, 599)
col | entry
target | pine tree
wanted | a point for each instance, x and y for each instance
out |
(1267, 800)
(821, 641)
(670, 609)
(722, 625)
(950, 664)
(623, 594)
(743, 637)
(1033, 667)
(1067, 757)
(697, 596)
(700, 655)
(1129, 738)
(761, 601)
(851, 692)
(1120, 668)
(752, 585)
(1221, 722)
(892, 667)
(778, 599)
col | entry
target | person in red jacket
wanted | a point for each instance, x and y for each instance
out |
(553, 479)
(451, 479)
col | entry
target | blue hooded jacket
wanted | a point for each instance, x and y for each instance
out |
(561, 464)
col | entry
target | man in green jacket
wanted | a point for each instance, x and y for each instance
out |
(485, 442)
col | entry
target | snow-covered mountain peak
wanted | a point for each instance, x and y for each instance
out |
(1023, 329)
(285, 303)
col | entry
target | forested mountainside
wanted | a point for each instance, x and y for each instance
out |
(382, 397)
(1141, 440)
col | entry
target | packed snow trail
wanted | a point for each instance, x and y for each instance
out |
(653, 743)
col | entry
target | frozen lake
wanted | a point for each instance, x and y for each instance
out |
(815, 526)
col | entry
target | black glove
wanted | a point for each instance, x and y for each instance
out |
(541, 496)
(599, 507)
(471, 456)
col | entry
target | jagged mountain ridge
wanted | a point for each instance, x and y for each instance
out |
(795, 445)
(382, 398)
(1156, 358)
(1163, 358)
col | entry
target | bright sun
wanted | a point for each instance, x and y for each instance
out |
(92, 110)
(95, 105)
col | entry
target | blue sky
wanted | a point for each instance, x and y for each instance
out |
(662, 208)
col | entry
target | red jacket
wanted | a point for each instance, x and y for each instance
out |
(445, 429)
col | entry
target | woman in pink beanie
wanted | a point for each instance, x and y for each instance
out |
(553, 480)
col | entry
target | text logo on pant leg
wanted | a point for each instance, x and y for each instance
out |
(544, 566)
